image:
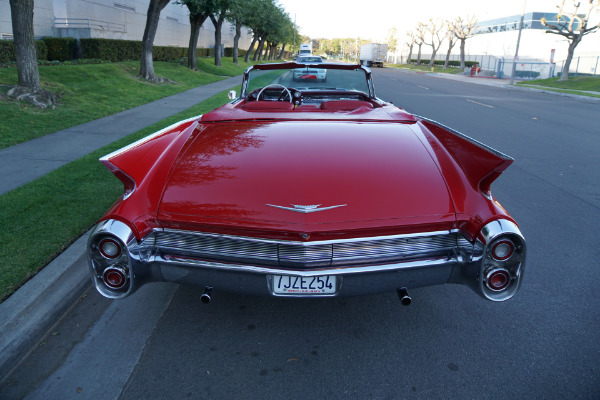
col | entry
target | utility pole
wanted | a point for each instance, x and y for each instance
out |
(514, 66)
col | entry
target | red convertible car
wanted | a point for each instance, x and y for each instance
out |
(305, 188)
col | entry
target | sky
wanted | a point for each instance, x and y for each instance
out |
(372, 19)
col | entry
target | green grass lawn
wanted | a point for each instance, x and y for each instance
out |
(426, 68)
(585, 83)
(42, 218)
(92, 91)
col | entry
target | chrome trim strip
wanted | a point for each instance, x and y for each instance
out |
(306, 209)
(146, 139)
(305, 273)
(466, 137)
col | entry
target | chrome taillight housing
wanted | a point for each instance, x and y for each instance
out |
(109, 258)
(503, 260)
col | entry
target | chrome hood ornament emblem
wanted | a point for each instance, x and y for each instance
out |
(306, 209)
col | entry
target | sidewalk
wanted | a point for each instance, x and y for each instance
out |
(30, 160)
(505, 83)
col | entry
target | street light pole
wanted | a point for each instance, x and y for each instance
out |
(294, 52)
(514, 66)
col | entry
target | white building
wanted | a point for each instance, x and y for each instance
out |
(116, 19)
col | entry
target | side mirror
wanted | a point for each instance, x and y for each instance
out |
(232, 95)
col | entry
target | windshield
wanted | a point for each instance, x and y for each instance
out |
(310, 60)
(311, 78)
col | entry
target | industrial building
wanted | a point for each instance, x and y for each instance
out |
(116, 19)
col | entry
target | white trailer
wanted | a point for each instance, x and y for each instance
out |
(373, 54)
(305, 49)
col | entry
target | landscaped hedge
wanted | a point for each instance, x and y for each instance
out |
(114, 50)
(61, 49)
(166, 53)
(452, 63)
(229, 52)
(7, 51)
(124, 50)
(110, 49)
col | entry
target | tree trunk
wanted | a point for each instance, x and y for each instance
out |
(152, 17)
(447, 58)
(261, 41)
(564, 76)
(29, 87)
(195, 25)
(419, 55)
(410, 49)
(218, 23)
(432, 61)
(22, 21)
(451, 44)
(271, 52)
(280, 56)
(250, 48)
(236, 41)
(462, 53)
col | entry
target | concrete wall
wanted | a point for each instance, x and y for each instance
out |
(117, 19)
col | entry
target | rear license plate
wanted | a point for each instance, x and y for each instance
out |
(304, 285)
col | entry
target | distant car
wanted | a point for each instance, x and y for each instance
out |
(307, 192)
(309, 70)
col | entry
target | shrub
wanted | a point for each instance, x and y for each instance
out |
(61, 49)
(7, 51)
(229, 52)
(166, 53)
(110, 49)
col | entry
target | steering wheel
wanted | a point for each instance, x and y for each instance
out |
(275, 85)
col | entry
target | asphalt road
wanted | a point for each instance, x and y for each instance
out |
(450, 343)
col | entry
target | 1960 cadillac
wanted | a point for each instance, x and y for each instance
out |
(304, 188)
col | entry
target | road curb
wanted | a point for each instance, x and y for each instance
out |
(36, 306)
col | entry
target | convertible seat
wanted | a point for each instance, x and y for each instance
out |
(344, 105)
(262, 105)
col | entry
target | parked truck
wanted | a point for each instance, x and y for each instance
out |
(305, 49)
(373, 54)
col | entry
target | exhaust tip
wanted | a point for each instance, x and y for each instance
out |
(206, 296)
(404, 297)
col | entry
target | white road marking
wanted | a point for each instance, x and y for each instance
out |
(481, 104)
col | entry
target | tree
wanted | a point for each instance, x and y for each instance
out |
(463, 30)
(152, 17)
(410, 42)
(435, 29)
(219, 11)
(451, 42)
(573, 27)
(420, 39)
(199, 11)
(239, 13)
(29, 87)
(392, 40)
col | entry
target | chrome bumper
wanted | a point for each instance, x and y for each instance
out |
(144, 265)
